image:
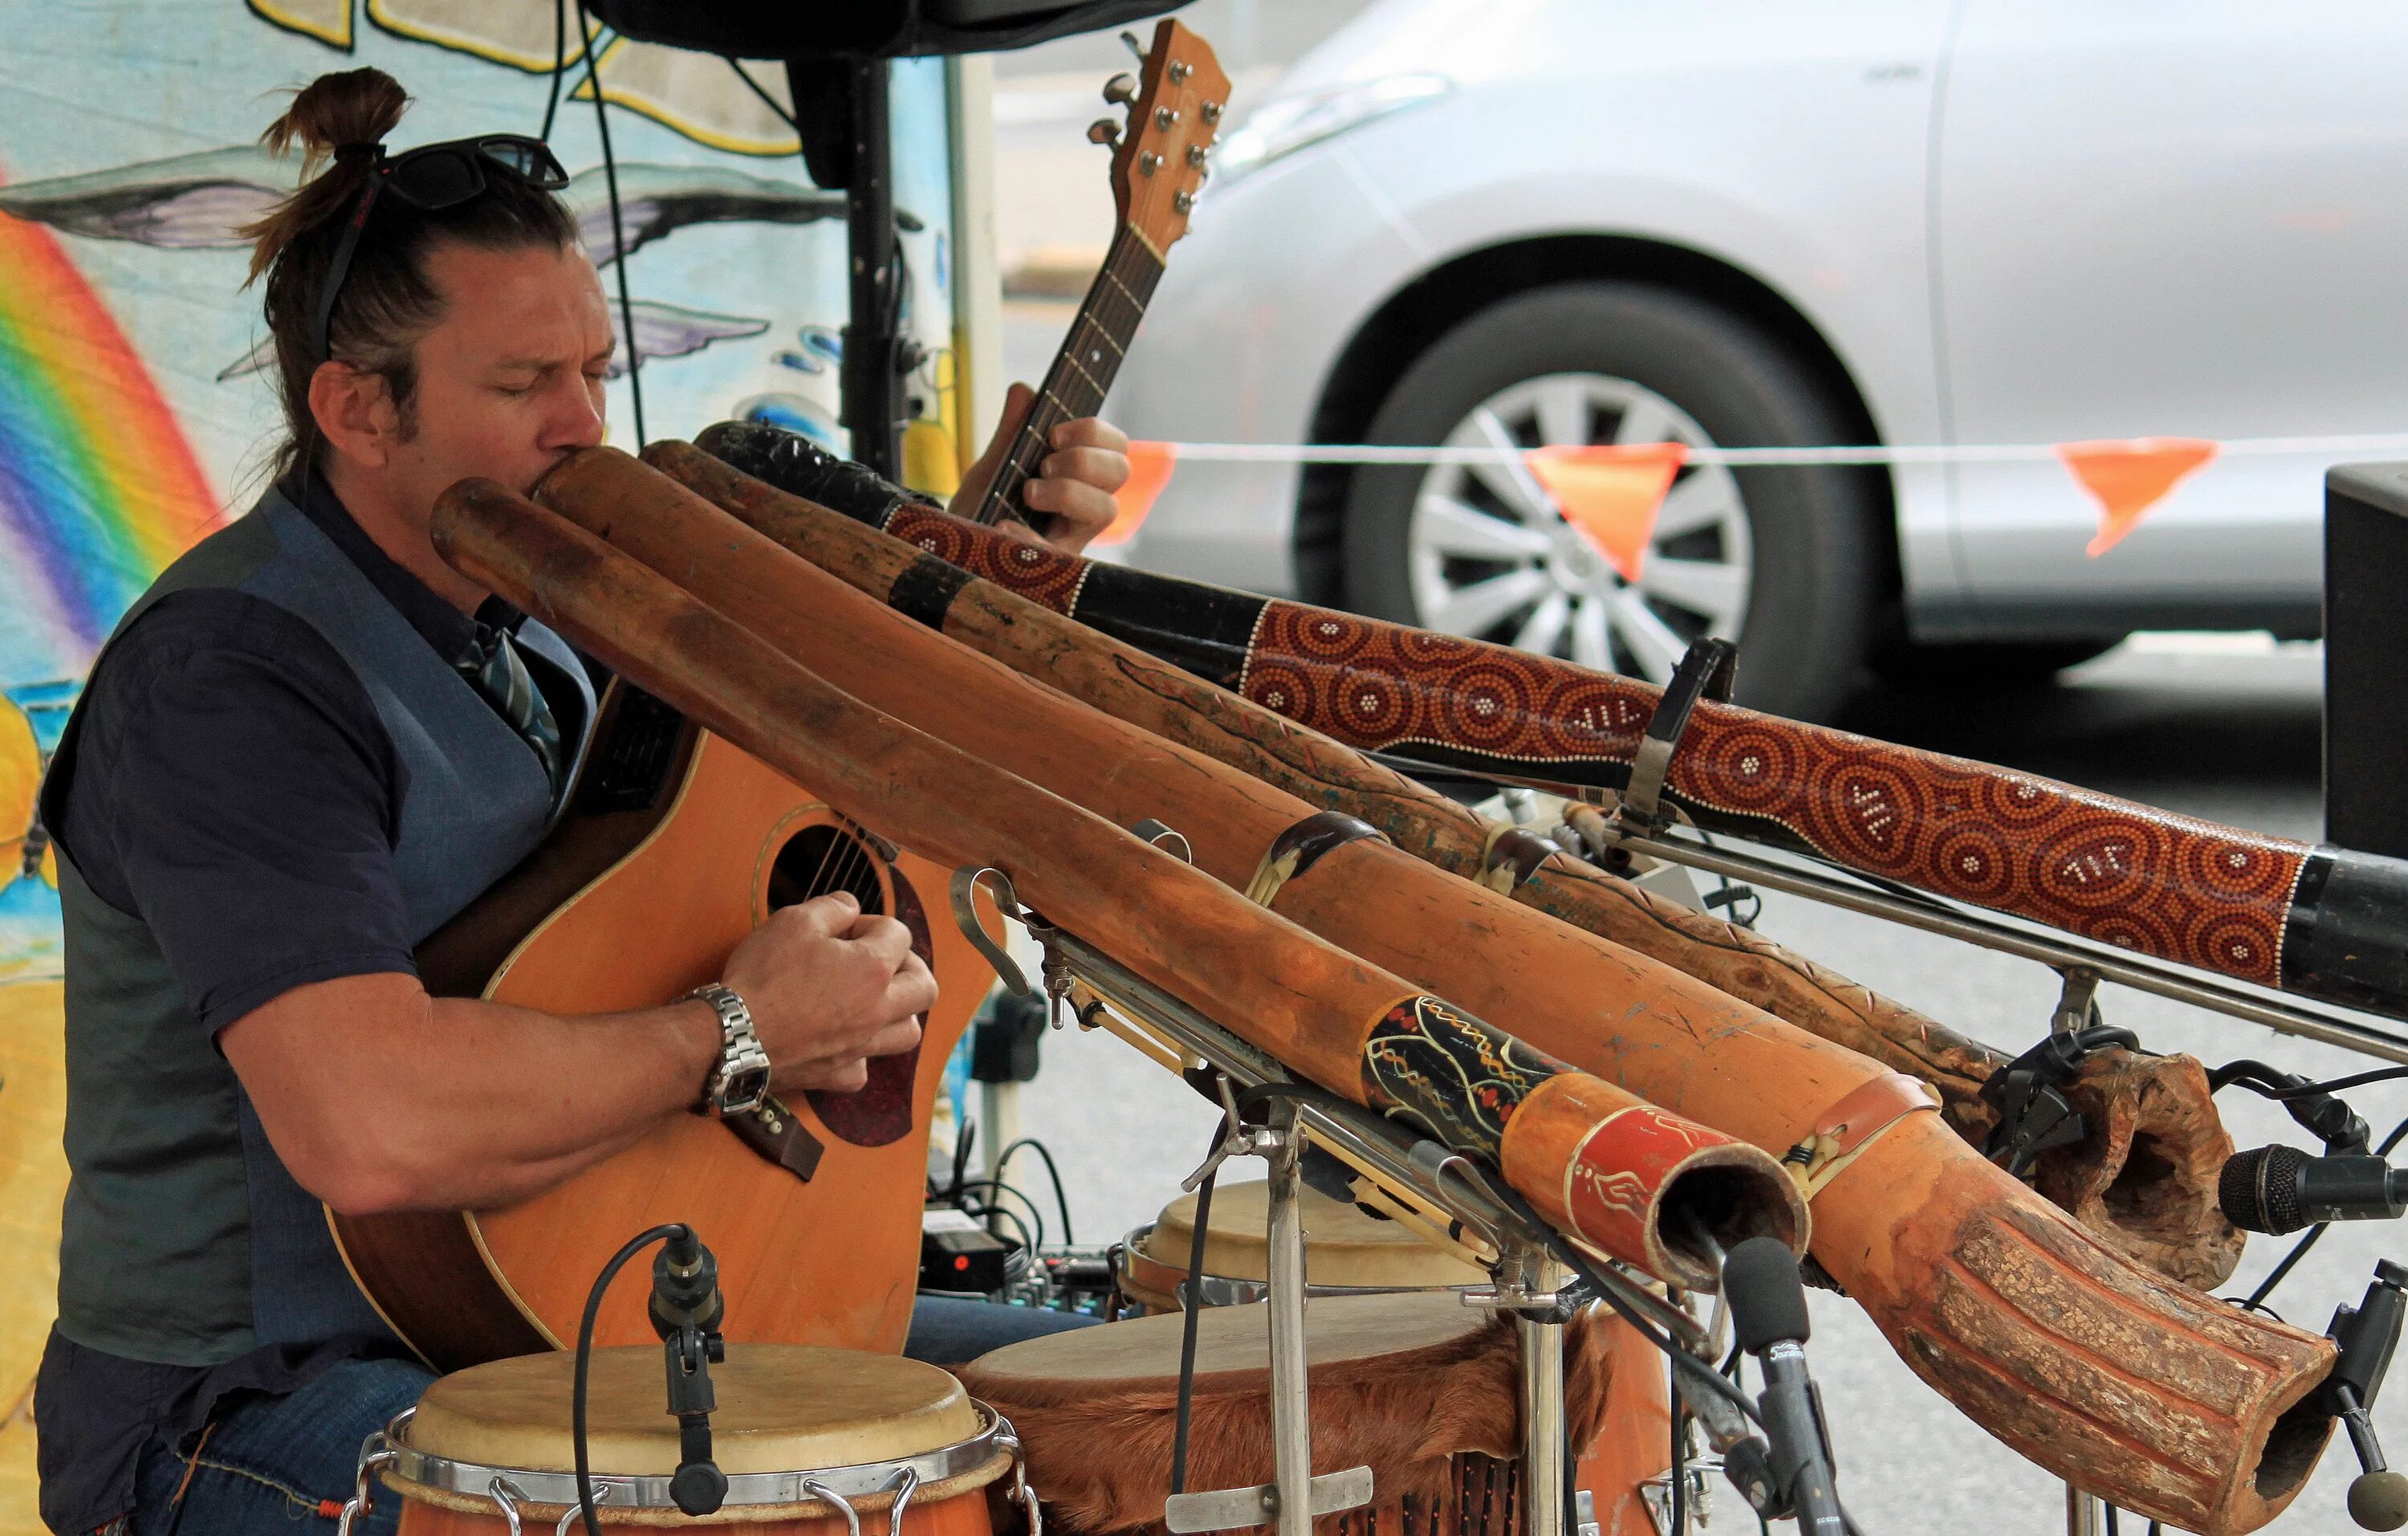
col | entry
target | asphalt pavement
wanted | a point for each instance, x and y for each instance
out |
(2224, 727)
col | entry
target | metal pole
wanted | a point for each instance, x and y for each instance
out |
(1291, 1420)
(871, 381)
(2081, 1512)
(1542, 1401)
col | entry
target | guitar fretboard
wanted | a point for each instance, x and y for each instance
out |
(1082, 371)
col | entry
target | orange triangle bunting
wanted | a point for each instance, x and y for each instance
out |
(1612, 493)
(1150, 467)
(2130, 477)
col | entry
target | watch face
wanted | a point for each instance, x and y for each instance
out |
(745, 1089)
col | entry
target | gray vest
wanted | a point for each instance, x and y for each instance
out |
(185, 1241)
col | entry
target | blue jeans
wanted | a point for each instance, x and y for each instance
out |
(287, 1464)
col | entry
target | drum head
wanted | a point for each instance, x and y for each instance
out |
(781, 1407)
(1345, 1336)
(1344, 1244)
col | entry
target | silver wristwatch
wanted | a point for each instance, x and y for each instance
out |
(739, 1080)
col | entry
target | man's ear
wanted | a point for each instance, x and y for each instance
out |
(355, 413)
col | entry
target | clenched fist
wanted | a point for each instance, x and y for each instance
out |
(828, 989)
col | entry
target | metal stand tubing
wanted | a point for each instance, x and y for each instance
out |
(1291, 1400)
(2122, 968)
(871, 379)
(2081, 1512)
(1542, 1401)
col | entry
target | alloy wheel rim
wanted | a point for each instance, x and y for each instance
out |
(1492, 558)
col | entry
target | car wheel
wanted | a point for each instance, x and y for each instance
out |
(1785, 560)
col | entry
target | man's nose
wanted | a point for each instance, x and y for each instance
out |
(575, 420)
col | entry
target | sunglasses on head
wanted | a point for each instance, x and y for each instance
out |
(432, 178)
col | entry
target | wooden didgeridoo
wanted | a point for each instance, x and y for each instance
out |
(2145, 1177)
(1592, 1159)
(2321, 921)
(1993, 1297)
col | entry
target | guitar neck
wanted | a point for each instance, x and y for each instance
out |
(1082, 371)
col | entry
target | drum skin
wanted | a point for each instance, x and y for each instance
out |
(781, 1408)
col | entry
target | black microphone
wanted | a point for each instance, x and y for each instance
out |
(2280, 1189)
(1768, 1310)
(686, 1311)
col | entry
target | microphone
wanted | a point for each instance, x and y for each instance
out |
(2280, 1189)
(686, 1310)
(2366, 1336)
(1768, 1310)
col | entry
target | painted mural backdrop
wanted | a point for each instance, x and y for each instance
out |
(134, 408)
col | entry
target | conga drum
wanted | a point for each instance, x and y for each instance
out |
(1349, 1251)
(813, 1441)
(1413, 1385)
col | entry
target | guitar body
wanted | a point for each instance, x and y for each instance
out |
(678, 845)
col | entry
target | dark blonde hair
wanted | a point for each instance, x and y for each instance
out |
(387, 302)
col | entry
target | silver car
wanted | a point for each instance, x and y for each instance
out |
(1763, 223)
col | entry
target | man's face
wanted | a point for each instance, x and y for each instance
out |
(511, 379)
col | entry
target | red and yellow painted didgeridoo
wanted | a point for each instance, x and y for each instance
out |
(2144, 1178)
(2320, 921)
(1591, 1157)
(2103, 1373)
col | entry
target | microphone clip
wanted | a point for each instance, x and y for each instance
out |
(2034, 1113)
(686, 1310)
(2367, 1335)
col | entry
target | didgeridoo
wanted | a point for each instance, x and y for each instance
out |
(2158, 1206)
(1592, 1159)
(1997, 1300)
(2320, 921)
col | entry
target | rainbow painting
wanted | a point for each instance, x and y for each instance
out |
(99, 488)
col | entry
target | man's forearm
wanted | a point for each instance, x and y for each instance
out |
(453, 1103)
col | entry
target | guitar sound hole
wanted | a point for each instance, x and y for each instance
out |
(821, 860)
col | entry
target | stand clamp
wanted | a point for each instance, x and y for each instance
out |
(1707, 670)
(2029, 1093)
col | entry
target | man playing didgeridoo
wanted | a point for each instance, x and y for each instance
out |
(310, 744)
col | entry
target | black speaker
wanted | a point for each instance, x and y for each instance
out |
(806, 29)
(2366, 657)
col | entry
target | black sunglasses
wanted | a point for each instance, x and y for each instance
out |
(434, 177)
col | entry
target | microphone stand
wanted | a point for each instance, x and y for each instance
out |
(686, 1310)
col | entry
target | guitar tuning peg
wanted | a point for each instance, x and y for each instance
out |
(1136, 51)
(1210, 111)
(1121, 90)
(1104, 131)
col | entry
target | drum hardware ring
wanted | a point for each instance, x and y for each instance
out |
(1021, 1494)
(375, 1452)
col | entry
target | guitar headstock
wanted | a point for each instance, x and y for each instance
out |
(1176, 106)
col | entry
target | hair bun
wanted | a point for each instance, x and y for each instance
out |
(351, 108)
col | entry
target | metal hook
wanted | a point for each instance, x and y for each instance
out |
(826, 1495)
(506, 1493)
(1007, 901)
(904, 1484)
(1167, 838)
(569, 1516)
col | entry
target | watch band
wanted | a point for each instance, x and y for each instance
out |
(739, 1078)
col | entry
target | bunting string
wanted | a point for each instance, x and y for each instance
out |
(1747, 458)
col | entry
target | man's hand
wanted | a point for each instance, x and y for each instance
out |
(829, 989)
(1075, 480)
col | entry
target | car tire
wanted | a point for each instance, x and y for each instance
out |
(1806, 635)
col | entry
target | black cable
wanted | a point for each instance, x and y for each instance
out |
(585, 1358)
(1194, 1311)
(559, 64)
(1680, 1470)
(984, 1212)
(2300, 1250)
(2247, 1074)
(766, 100)
(618, 230)
(1061, 1201)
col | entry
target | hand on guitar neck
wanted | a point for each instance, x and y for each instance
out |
(1067, 477)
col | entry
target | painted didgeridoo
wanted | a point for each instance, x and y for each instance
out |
(2145, 1177)
(2320, 921)
(1601, 1164)
(1997, 1300)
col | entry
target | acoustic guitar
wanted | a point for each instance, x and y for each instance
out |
(676, 845)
